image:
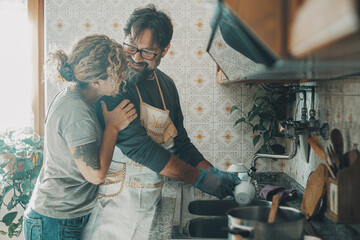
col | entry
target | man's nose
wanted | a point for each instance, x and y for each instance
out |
(137, 57)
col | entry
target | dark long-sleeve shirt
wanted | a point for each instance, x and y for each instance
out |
(134, 141)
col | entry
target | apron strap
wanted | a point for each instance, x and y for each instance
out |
(161, 94)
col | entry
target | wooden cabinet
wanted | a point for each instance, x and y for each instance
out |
(316, 29)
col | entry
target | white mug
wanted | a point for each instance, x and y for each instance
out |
(240, 170)
(244, 193)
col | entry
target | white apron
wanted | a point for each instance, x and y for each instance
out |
(130, 191)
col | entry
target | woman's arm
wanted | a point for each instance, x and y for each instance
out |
(94, 162)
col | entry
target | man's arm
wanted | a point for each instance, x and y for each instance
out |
(180, 170)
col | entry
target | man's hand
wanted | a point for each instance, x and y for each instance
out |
(216, 182)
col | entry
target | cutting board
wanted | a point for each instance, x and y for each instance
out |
(315, 190)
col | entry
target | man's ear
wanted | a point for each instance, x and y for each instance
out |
(166, 49)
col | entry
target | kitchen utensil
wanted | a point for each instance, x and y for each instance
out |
(335, 162)
(251, 222)
(314, 192)
(338, 144)
(274, 208)
(316, 145)
(351, 157)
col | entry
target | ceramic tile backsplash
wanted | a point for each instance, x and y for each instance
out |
(205, 104)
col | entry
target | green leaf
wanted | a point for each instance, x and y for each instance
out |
(278, 149)
(26, 186)
(266, 135)
(256, 140)
(2, 232)
(253, 115)
(233, 108)
(259, 127)
(23, 199)
(258, 92)
(9, 218)
(240, 120)
(28, 164)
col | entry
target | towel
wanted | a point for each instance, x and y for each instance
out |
(269, 191)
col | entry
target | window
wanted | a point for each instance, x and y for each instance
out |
(16, 68)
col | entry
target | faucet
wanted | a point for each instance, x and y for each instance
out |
(292, 129)
(252, 170)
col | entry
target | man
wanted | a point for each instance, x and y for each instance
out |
(155, 144)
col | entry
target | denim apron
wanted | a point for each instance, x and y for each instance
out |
(130, 191)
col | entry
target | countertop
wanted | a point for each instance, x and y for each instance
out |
(319, 226)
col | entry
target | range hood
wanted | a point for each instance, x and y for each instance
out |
(243, 55)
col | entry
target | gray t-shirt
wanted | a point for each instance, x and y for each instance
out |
(61, 191)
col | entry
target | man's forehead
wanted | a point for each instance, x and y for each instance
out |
(144, 38)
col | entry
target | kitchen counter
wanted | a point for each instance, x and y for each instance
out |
(321, 226)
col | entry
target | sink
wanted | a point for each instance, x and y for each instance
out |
(208, 227)
(218, 207)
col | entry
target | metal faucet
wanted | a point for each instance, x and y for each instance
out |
(252, 170)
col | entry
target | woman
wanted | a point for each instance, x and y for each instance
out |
(77, 153)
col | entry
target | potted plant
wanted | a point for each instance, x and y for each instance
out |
(269, 108)
(22, 156)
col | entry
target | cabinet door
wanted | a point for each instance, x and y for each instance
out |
(266, 20)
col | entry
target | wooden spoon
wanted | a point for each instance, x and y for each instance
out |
(338, 144)
(316, 145)
(274, 208)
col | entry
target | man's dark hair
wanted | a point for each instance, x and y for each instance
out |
(150, 18)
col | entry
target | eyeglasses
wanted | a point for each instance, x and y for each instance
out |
(144, 54)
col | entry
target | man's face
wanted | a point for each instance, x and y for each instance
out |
(136, 61)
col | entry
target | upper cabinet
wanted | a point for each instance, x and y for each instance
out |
(286, 40)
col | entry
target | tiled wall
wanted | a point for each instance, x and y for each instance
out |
(205, 104)
(337, 102)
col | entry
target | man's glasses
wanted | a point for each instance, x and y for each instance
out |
(144, 54)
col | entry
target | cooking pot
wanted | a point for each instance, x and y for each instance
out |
(250, 222)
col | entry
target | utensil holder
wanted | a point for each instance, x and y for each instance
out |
(343, 195)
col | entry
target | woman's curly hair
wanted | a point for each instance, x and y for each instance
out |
(93, 58)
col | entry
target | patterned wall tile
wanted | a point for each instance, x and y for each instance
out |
(113, 24)
(53, 45)
(209, 156)
(199, 109)
(115, 5)
(175, 55)
(228, 89)
(178, 21)
(171, 5)
(177, 74)
(223, 105)
(87, 23)
(59, 5)
(198, 5)
(141, 3)
(201, 136)
(227, 137)
(223, 160)
(196, 54)
(87, 5)
(200, 81)
(60, 26)
(197, 25)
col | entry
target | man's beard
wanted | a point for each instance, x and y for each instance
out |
(136, 77)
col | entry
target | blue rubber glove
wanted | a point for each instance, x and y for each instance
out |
(216, 182)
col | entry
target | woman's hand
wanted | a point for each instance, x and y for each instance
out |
(121, 116)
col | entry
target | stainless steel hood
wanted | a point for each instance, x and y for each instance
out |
(243, 56)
